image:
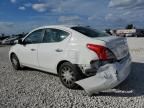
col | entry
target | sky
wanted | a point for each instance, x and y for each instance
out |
(17, 16)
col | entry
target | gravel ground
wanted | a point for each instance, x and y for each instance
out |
(36, 89)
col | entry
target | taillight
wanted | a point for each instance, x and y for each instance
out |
(102, 52)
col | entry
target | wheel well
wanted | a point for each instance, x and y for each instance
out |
(60, 63)
(11, 54)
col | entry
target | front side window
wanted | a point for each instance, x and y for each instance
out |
(34, 37)
(54, 35)
(89, 32)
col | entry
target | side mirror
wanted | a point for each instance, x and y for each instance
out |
(20, 41)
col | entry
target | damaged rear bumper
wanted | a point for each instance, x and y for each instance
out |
(107, 77)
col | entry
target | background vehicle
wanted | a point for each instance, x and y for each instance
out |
(11, 40)
(77, 54)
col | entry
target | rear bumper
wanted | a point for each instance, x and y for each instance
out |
(107, 77)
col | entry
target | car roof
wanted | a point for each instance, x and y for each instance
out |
(57, 26)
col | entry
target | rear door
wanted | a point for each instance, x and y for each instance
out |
(28, 52)
(52, 50)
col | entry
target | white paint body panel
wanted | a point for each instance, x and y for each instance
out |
(27, 56)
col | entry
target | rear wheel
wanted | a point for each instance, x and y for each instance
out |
(68, 74)
(15, 62)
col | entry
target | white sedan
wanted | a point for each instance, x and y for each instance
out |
(79, 55)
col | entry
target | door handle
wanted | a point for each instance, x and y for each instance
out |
(59, 50)
(33, 49)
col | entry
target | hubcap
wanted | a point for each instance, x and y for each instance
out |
(67, 75)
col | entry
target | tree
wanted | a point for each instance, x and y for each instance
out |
(3, 36)
(129, 26)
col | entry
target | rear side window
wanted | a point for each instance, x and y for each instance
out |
(89, 32)
(54, 35)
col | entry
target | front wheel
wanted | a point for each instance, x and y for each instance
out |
(68, 74)
(15, 62)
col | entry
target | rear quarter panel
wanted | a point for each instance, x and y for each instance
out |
(77, 50)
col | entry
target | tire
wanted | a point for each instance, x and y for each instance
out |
(68, 74)
(15, 62)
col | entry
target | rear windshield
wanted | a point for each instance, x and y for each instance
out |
(89, 32)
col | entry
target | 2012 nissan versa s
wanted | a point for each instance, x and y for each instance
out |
(79, 55)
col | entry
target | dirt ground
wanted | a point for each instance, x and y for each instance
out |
(37, 89)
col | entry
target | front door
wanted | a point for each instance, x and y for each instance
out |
(28, 51)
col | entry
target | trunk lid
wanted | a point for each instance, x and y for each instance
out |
(118, 45)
